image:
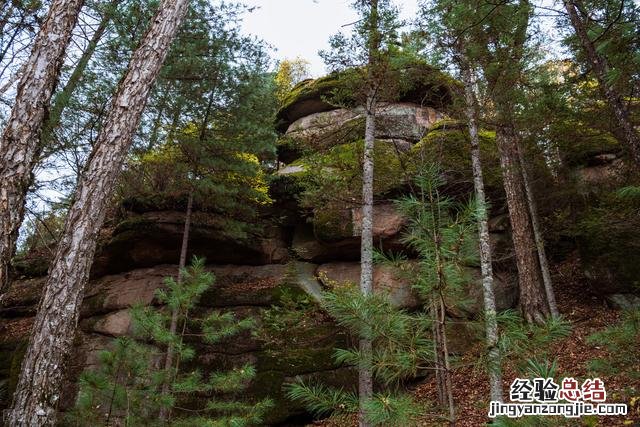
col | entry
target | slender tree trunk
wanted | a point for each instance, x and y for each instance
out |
(600, 67)
(19, 142)
(365, 382)
(447, 366)
(491, 322)
(38, 390)
(537, 234)
(365, 372)
(532, 297)
(165, 413)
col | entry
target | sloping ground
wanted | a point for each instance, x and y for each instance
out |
(588, 314)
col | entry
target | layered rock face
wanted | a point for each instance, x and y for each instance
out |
(300, 252)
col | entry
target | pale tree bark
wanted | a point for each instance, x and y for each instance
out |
(537, 235)
(19, 142)
(491, 322)
(365, 370)
(533, 303)
(365, 375)
(601, 69)
(165, 413)
(38, 390)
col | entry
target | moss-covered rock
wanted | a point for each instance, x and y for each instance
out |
(319, 131)
(608, 232)
(448, 145)
(414, 81)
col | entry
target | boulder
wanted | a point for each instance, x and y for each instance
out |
(155, 238)
(387, 221)
(418, 83)
(505, 291)
(122, 291)
(401, 121)
(21, 298)
(624, 301)
(116, 324)
(602, 169)
(386, 279)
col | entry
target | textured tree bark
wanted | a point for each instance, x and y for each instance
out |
(600, 67)
(365, 371)
(491, 323)
(19, 142)
(537, 234)
(38, 390)
(532, 301)
(365, 376)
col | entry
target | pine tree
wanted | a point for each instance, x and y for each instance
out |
(369, 49)
(401, 348)
(37, 392)
(130, 387)
(495, 39)
(580, 18)
(442, 233)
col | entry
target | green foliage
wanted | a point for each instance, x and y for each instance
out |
(401, 347)
(332, 183)
(523, 345)
(122, 388)
(447, 144)
(209, 125)
(622, 342)
(290, 318)
(289, 74)
(127, 387)
(607, 230)
(612, 27)
(443, 233)
(322, 400)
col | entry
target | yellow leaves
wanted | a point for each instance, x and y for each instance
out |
(290, 72)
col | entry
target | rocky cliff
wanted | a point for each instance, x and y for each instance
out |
(308, 238)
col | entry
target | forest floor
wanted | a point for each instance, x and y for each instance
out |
(587, 314)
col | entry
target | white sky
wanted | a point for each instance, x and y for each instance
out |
(302, 27)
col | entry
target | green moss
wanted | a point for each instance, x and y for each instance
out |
(448, 144)
(332, 184)
(413, 81)
(587, 145)
(296, 361)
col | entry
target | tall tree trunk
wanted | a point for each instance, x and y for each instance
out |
(365, 371)
(491, 322)
(537, 234)
(165, 413)
(38, 389)
(600, 67)
(19, 142)
(365, 375)
(532, 297)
